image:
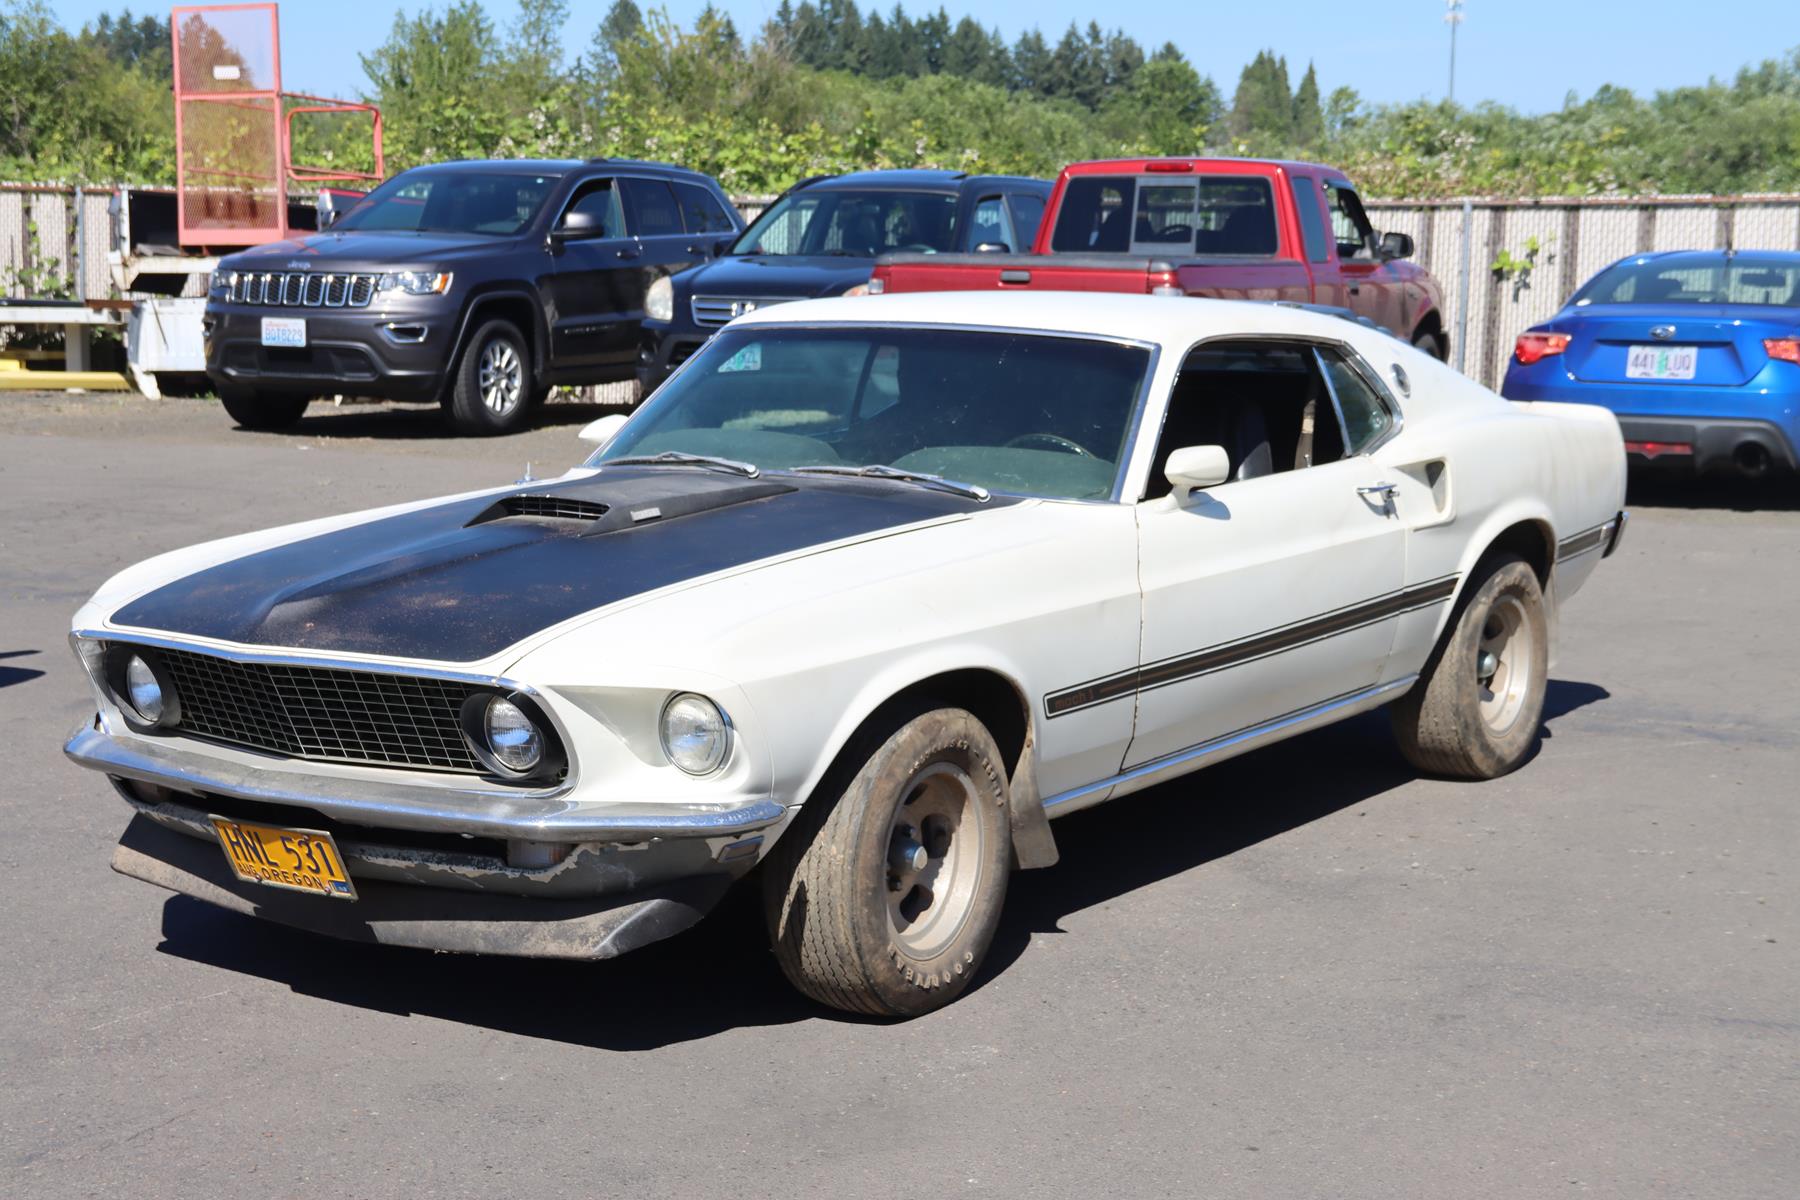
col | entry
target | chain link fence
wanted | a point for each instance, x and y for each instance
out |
(1504, 264)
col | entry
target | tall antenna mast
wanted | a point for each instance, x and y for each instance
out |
(1453, 16)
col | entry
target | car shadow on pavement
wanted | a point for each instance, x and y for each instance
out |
(11, 675)
(414, 422)
(720, 975)
(1653, 489)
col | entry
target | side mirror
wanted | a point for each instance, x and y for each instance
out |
(576, 225)
(1194, 467)
(600, 433)
(1396, 245)
(993, 248)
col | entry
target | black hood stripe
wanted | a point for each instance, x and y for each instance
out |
(438, 583)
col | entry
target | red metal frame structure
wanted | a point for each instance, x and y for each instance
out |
(234, 131)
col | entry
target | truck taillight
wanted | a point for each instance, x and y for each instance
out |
(1163, 283)
(1531, 347)
(1785, 349)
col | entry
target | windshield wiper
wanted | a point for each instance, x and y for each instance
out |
(879, 471)
(679, 458)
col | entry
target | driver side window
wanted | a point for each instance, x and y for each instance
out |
(1349, 223)
(598, 199)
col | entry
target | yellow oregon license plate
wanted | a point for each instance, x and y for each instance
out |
(302, 859)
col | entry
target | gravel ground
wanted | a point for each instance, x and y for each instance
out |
(1304, 973)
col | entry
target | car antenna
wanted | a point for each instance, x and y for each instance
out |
(527, 477)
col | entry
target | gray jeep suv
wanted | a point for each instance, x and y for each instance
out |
(478, 285)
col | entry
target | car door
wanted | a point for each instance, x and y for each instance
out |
(1371, 286)
(1278, 590)
(1317, 243)
(596, 292)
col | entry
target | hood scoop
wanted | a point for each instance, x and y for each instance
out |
(623, 498)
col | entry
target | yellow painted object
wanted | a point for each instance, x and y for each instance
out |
(15, 378)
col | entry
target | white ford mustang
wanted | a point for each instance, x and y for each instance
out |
(867, 591)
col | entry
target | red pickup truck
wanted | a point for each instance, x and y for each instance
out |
(1232, 228)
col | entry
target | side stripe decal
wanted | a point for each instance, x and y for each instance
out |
(1260, 645)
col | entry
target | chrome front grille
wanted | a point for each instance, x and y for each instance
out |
(716, 310)
(322, 714)
(303, 289)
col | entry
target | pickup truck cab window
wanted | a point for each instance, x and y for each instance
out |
(1312, 222)
(1349, 223)
(1220, 215)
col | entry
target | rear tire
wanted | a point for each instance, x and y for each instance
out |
(885, 894)
(252, 411)
(1475, 711)
(495, 390)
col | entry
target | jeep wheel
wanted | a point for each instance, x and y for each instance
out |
(1475, 711)
(885, 894)
(495, 387)
(252, 411)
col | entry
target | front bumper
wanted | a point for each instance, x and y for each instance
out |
(376, 351)
(663, 346)
(458, 866)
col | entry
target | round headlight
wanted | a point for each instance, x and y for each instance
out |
(659, 301)
(511, 737)
(695, 733)
(143, 690)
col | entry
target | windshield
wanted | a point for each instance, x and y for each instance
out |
(1032, 414)
(853, 223)
(1734, 280)
(451, 202)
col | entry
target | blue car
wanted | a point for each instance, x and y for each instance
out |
(1697, 352)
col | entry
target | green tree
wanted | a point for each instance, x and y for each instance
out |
(1262, 112)
(1309, 116)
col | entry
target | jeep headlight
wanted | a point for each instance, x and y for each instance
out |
(416, 283)
(220, 284)
(659, 301)
(696, 735)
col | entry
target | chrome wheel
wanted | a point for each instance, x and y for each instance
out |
(501, 378)
(1505, 660)
(934, 860)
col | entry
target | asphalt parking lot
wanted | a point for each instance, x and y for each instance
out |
(1305, 973)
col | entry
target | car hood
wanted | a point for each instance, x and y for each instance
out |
(351, 248)
(463, 580)
(778, 275)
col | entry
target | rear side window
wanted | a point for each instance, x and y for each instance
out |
(1367, 417)
(701, 211)
(653, 209)
(1095, 215)
(1312, 223)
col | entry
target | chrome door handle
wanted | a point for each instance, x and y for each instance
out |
(1384, 490)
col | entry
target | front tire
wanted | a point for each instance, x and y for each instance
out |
(495, 389)
(1475, 711)
(884, 896)
(252, 411)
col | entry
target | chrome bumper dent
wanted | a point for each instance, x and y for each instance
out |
(471, 808)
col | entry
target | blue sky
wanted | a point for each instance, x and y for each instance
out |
(1525, 53)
